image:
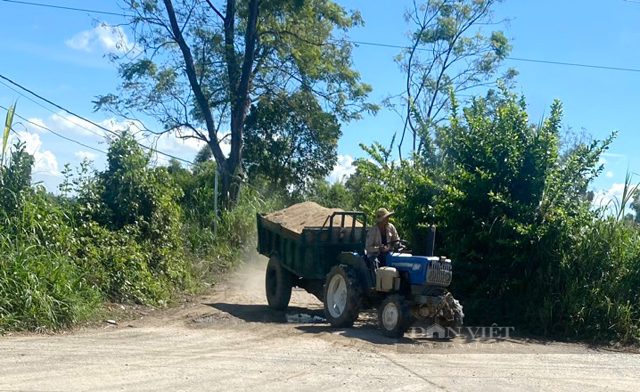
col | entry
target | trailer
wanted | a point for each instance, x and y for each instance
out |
(303, 259)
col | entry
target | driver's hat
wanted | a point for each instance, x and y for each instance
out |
(382, 214)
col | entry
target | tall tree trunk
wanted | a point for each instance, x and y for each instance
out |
(239, 89)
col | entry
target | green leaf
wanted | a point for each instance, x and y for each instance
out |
(7, 128)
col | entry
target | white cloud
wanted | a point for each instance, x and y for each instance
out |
(609, 174)
(34, 125)
(102, 38)
(610, 197)
(82, 155)
(612, 155)
(45, 161)
(67, 124)
(344, 168)
(172, 144)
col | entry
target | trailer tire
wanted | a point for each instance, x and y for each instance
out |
(342, 296)
(278, 284)
(394, 316)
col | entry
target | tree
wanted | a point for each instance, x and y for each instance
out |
(448, 54)
(203, 155)
(131, 193)
(335, 195)
(197, 69)
(15, 179)
(290, 140)
(635, 206)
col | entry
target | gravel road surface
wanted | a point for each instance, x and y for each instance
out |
(230, 340)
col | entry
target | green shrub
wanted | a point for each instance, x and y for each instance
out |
(513, 212)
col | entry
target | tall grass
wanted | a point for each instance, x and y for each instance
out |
(41, 289)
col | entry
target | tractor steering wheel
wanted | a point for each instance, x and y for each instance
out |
(399, 245)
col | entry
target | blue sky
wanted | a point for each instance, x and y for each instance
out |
(59, 54)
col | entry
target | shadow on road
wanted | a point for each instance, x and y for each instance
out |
(366, 332)
(365, 329)
(264, 314)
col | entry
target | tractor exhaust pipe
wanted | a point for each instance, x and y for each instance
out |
(431, 240)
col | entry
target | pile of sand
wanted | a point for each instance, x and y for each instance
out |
(307, 214)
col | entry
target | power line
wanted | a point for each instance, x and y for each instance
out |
(49, 110)
(64, 8)
(508, 58)
(519, 59)
(87, 120)
(53, 132)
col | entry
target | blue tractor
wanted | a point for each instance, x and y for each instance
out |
(330, 262)
(408, 288)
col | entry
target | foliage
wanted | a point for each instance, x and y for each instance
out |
(15, 179)
(335, 195)
(40, 289)
(635, 204)
(513, 213)
(203, 155)
(40, 285)
(449, 53)
(117, 235)
(290, 140)
(198, 69)
(7, 129)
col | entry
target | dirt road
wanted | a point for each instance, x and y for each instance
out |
(229, 340)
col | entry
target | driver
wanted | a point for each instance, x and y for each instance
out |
(380, 237)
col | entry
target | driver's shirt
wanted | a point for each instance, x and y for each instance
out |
(374, 239)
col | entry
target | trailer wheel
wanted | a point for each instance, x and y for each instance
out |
(278, 282)
(342, 296)
(394, 316)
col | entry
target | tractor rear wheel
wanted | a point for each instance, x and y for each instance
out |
(394, 316)
(342, 296)
(278, 282)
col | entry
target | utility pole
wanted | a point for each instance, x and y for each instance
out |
(215, 203)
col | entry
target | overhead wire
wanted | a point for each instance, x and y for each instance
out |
(21, 87)
(552, 62)
(366, 43)
(53, 132)
(87, 120)
(49, 110)
(65, 8)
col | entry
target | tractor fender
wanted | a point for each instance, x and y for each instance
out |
(359, 264)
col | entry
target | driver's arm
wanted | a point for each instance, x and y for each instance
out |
(394, 237)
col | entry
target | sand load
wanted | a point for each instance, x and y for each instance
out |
(307, 214)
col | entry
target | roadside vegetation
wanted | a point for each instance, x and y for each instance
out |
(133, 233)
(510, 195)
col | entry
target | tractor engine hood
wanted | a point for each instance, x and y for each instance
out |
(423, 270)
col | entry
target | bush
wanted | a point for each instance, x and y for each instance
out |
(513, 212)
(117, 235)
(41, 287)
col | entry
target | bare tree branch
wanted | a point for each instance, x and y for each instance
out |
(213, 7)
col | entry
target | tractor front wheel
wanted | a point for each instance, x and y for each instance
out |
(278, 282)
(394, 316)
